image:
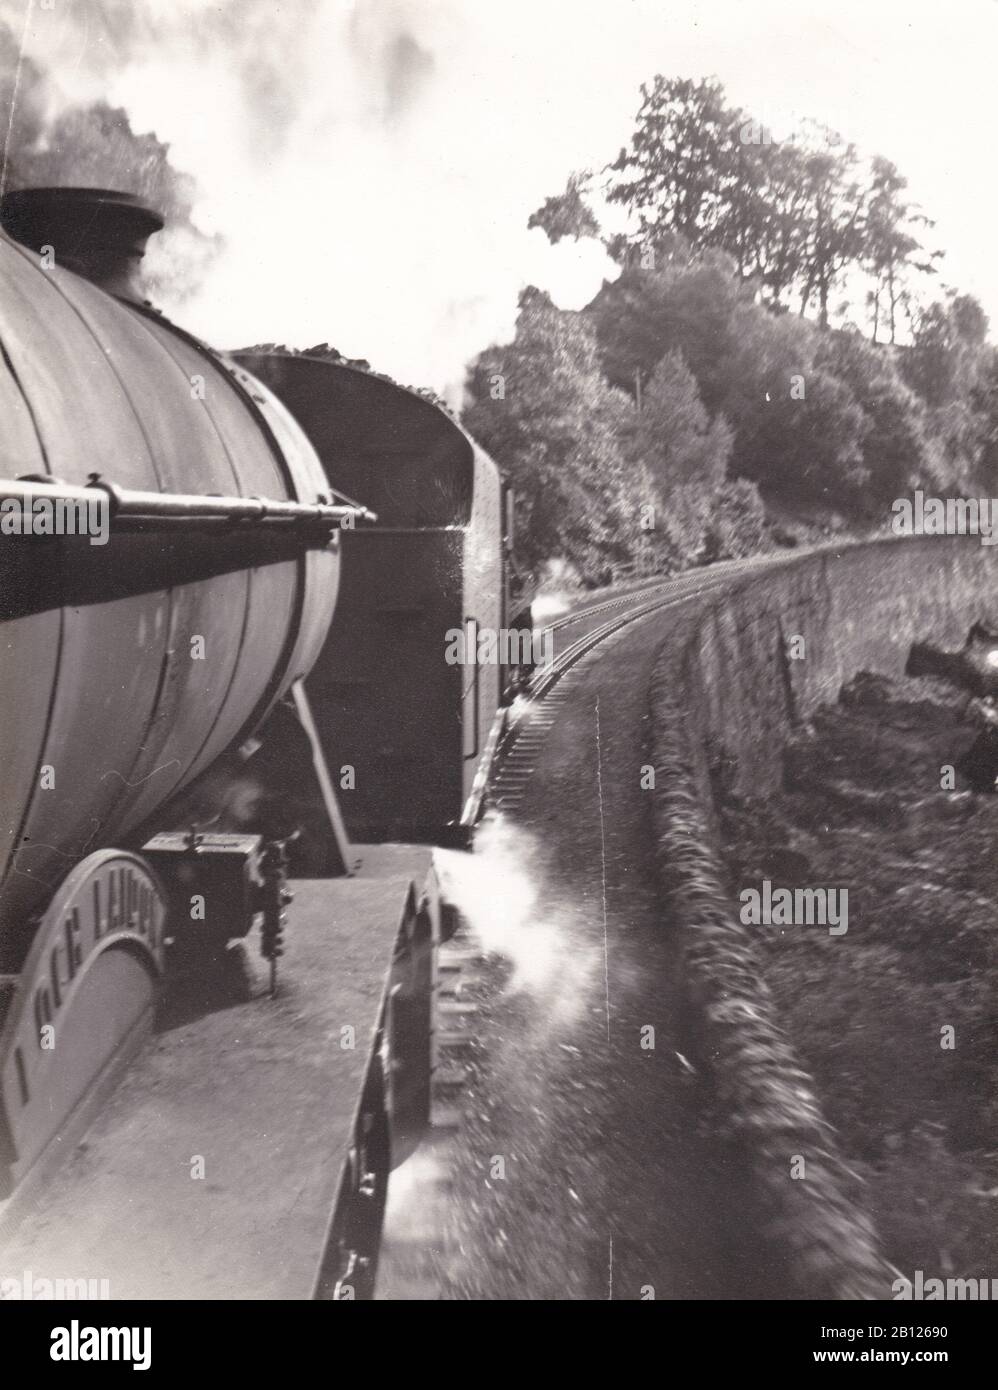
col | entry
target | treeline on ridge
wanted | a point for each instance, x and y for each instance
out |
(768, 365)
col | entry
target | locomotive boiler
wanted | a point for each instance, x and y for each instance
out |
(127, 671)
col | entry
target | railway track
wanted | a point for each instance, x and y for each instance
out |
(661, 587)
(535, 716)
(538, 707)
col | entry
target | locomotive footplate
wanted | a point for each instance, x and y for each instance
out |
(235, 1158)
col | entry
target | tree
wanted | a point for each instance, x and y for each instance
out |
(767, 224)
(833, 209)
(794, 215)
(674, 437)
(984, 398)
(566, 214)
(680, 306)
(944, 357)
(798, 428)
(895, 431)
(675, 175)
(947, 364)
(542, 408)
(892, 249)
(735, 523)
(704, 516)
(745, 362)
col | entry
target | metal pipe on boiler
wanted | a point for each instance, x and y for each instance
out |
(134, 505)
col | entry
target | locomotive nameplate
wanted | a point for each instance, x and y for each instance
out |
(86, 990)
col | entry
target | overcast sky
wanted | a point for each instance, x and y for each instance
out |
(372, 163)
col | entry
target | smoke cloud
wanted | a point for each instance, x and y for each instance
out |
(499, 890)
(370, 165)
(348, 166)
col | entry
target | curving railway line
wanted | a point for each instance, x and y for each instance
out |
(577, 635)
(500, 1087)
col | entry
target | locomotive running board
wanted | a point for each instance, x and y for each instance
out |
(214, 1169)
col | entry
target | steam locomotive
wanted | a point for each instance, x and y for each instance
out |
(231, 724)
